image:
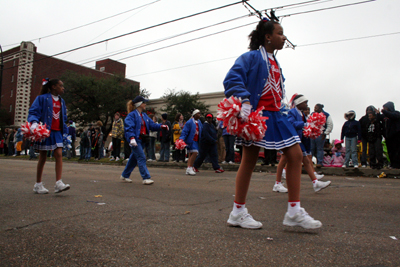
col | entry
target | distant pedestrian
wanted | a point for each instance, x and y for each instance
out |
(151, 148)
(137, 123)
(364, 123)
(208, 145)
(117, 134)
(392, 133)
(177, 126)
(374, 139)
(351, 134)
(191, 135)
(317, 145)
(165, 139)
(72, 133)
(49, 108)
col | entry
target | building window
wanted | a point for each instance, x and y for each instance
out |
(14, 63)
(102, 68)
(11, 94)
(12, 78)
(11, 108)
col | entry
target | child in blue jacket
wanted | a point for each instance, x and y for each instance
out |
(49, 108)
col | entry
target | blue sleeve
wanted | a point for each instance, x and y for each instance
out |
(130, 126)
(298, 125)
(65, 119)
(154, 126)
(236, 79)
(35, 112)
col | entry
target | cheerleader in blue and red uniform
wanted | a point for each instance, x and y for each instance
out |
(257, 79)
(49, 108)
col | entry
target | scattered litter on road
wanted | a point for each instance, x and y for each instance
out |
(350, 178)
(187, 212)
(98, 196)
(382, 175)
(393, 237)
(263, 198)
(94, 181)
(98, 203)
(270, 238)
(101, 203)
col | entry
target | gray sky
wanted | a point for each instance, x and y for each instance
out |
(342, 75)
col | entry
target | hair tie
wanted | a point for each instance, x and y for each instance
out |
(45, 81)
(265, 19)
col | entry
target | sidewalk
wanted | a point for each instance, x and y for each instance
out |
(360, 172)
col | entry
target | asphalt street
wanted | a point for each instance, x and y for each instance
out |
(180, 220)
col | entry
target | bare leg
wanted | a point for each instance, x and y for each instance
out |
(40, 166)
(192, 158)
(279, 169)
(58, 157)
(243, 176)
(293, 171)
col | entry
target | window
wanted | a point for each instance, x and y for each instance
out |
(102, 68)
(12, 78)
(11, 93)
(11, 108)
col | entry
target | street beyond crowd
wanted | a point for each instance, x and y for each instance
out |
(181, 220)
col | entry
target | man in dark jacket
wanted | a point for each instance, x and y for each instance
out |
(374, 138)
(352, 131)
(208, 145)
(364, 122)
(391, 123)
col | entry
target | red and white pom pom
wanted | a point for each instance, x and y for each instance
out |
(228, 112)
(41, 132)
(180, 144)
(315, 126)
(254, 129)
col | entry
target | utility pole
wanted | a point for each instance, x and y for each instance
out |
(1, 72)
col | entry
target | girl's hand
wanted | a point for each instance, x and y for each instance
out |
(245, 111)
(33, 126)
(133, 142)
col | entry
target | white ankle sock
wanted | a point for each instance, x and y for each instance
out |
(293, 207)
(276, 182)
(39, 183)
(314, 182)
(237, 208)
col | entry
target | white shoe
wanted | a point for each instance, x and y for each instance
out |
(301, 219)
(364, 166)
(60, 186)
(231, 162)
(148, 181)
(224, 162)
(279, 188)
(244, 220)
(112, 159)
(116, 159)
(149, 160)
(284, 174)
(344, 166)
(319, 176)
(319, 185)
(40, 189)
(190, 171)
(125, 179)
(355, 166)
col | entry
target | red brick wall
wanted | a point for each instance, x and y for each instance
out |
(111, 66)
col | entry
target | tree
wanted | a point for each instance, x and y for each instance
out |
(91, 99)
(5, 118)
(182, 102)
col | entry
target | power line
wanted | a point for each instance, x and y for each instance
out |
(222, 59)
(163, 39)
(90, 23)
(126, 34)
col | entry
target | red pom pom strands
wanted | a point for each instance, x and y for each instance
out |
(251, 130)
(39, 133)
(315, 126)
(180, 144)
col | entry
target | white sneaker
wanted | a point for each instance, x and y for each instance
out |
(344, 166)
(355, 166)
(279, 188)
(231, 162)
(319, 176)
(149, 160)
(116, 159)
(364, 166)
(224, 162)
(190, 171)
(301, 219)
(148, 181)
(319, 185)
(125, 179)
(244, 220)
(112, 159)
(284, 174)
(60, 186)
(40, 189)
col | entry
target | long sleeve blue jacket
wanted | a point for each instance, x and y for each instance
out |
(189, 130)
(133, 122)
(296, 120)
(42, 111)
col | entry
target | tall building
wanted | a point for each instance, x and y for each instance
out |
(24, 70)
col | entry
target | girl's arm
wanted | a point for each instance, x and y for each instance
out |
(35, 111)
(154, 126)
(298, 125)
(130, 127)
(236, 79)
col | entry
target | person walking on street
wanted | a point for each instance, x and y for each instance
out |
(392, 133)
(317, 145)
(165, 139)
(117, 134)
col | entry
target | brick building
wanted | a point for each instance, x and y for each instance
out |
(24, 70)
